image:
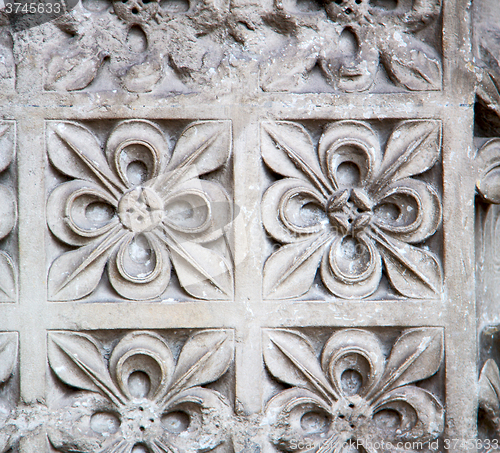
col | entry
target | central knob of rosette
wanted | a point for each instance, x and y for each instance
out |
(140, 210)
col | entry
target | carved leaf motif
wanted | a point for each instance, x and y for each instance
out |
(8, 354)
(489, 391)
(7, 141)
(75, 151)
(203, 147)
(412, 271)
(205, 357)
(290, 358)
(416, 355)
(413, 148)
(488, 159)
(290, 271)
(202, 272)
(76, 274)
(8, 277)
(77, 360)
(489, 90)
(288, 150)
(411, 63)
(75, 72)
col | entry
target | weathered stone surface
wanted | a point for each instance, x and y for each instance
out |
(249, 226)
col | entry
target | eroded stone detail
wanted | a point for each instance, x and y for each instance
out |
(348, 206)
(354, 394)
(7, 63)
(349, 40)
(141, 398)
(144, 42)
(8, 213)
(139, 207)
(8, 361)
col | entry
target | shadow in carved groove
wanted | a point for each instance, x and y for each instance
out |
(138, 207)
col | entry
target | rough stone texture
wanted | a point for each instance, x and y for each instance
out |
(239, 226)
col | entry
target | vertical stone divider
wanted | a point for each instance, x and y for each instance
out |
(248, 259)
(458, 221)
(32, 275)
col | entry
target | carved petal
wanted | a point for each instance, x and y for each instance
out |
(288, 150)
(410, 62)
(288, 71)
(409, 210)
(78, 211)
(349, 152)
(143, 352)
(75, 151)
(200, 209)
(205, 357)
(77, 273)
(202, 272)
(489, 391)
(140, 268)
(421, 415)
(298, 415)
(412, 271)
(488, 183)
(203, 147)
(73, 72)
(290, 358)
(416, 355)
(195, 420)
(353, 350)
(77, 360)
(290, 271)
(88, 423)
(8, 285)
(352, 268)
(8, 354)
(292, 209)
(8, 211)
(353, 65)
(7, 143)
(137, 150)
(413, 147)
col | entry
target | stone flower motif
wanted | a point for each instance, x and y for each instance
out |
(144, 45)
(355, 396)
(138, 208)
(350, 41)
(346, 208)
(142, 400)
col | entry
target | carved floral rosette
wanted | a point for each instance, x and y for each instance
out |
(8, 361)
(354, 395)
(8, 210)
(141, 398)
(346, 209)
(350, 40)
(138, 207)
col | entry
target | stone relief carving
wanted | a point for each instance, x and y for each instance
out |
(137, 206)
(8, 211)
(354, 394)
(7, 64)
(349, 40)
(145, 42)
(140, 399)
(348, 206)
(8, 362)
